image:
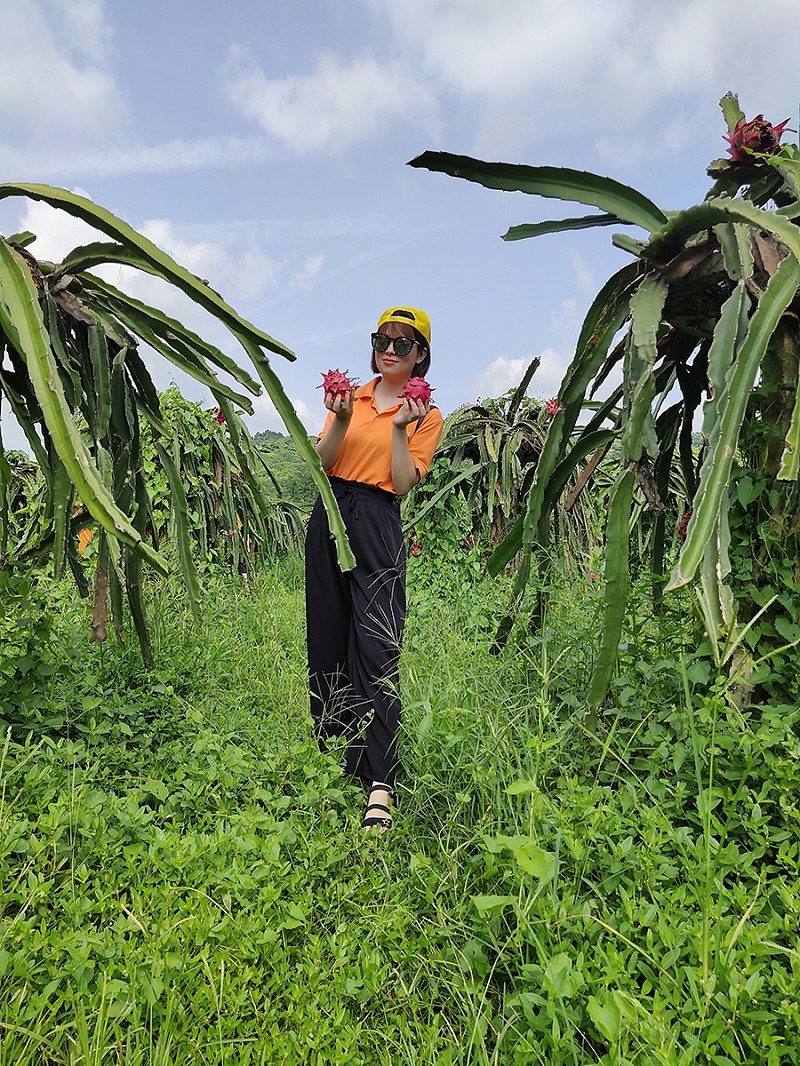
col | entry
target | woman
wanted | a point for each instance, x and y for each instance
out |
(375, 447)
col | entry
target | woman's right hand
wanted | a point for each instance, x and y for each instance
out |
(341, 405)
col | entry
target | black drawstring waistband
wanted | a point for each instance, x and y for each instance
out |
(353, 493)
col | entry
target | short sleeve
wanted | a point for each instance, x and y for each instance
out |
(326, 427)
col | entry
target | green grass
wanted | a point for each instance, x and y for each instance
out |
(183, 878)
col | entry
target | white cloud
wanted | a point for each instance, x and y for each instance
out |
(583, 274)
(309, 273)
(56, 72)
(498, 377)
(56, 232)
(490, 50)
(267, 417)
(239, 276)
(336, 105)
(599, 66)
(503, 374)
(118, 160)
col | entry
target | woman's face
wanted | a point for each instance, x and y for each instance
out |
(391, 365)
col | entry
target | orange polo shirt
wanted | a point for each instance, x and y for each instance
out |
(366, 453)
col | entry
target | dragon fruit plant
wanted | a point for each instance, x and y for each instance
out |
(710, 303)
(336, 383)
(74, 379)
(417, 389)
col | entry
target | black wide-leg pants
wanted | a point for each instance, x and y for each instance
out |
(354, 623)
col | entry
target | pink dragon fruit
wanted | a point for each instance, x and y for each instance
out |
(417, 389)
(335, 383)
(754, 136)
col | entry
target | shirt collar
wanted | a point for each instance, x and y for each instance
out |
(367, 392)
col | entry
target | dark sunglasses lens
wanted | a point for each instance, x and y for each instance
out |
(380, 342)
(402, 345)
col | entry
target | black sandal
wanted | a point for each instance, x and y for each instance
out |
(370, 821)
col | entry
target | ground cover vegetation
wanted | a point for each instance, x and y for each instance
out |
(185, 880)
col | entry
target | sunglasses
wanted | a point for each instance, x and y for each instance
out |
(402, 345)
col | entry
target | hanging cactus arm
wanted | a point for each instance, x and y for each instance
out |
(617, 582)
(181, 514)
(605, 317)
(158, 262)
(299, 435)
(724, 344)
(609, 311)
(168, 329)
(788, 166)
(188, 357)
(715, 475)
(21, 318)
(560, 183)
(737, 251)
(731, 111)
(241, 449)
(639, 431)
(62, 495)
(671, 238)
(5, 481)
(559, 225)
(791, 448)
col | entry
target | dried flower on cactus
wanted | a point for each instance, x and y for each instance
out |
(417, 389)
(336, 383)
(754, 136)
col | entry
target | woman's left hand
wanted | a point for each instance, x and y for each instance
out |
(410, 411)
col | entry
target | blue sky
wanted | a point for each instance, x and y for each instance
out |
(263, 144)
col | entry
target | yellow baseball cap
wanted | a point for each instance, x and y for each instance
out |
(408, 316)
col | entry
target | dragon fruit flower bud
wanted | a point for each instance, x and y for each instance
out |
(336, 383)
(417, 389)
(754, 136)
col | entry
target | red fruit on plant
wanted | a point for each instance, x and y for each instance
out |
(417, 389)
(683, 525)
(552, 407)
(754, 136)
(219, 416)
(336, 383)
